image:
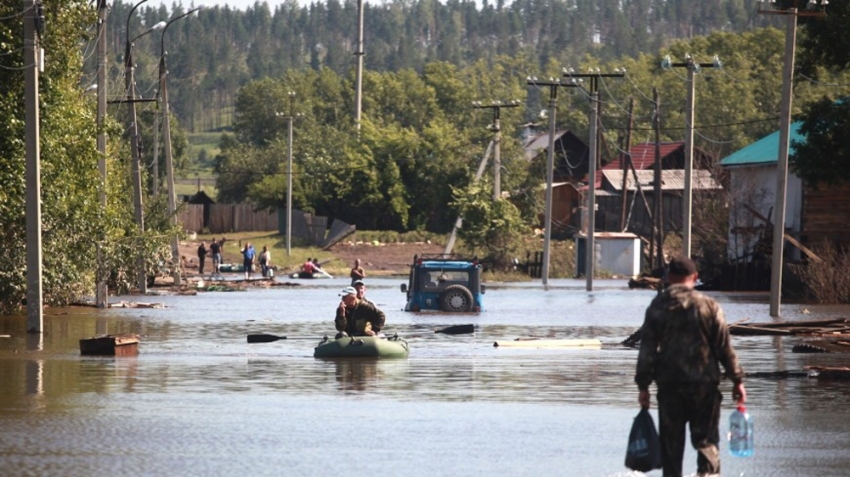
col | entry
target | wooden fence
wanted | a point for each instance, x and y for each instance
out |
(227, 218)
(231, 218)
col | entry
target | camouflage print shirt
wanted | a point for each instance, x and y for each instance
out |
(356, 321)
(684, 340)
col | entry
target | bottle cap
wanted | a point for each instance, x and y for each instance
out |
(742, 408)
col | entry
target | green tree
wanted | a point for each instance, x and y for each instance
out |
(73, 221)
(492, 229)
(824, 157)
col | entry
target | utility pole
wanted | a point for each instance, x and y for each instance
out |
(459, 221)
(688, 196)
(656, 256)
(101, 290)
(496, 106)
(33, 63)
(169, 160)
(553, 84)
(594, 78)
(359, 53)
(627, 159)
(784, 135)
(291, 95)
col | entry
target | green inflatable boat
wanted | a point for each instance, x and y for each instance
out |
(363, 347)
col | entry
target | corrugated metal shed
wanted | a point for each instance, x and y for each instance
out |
(671, 179)
(765, 151)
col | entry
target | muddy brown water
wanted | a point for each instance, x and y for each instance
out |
(198, 400)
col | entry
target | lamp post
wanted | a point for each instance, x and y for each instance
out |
(130, 85)
(166, 133)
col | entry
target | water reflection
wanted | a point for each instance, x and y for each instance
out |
(356, 375)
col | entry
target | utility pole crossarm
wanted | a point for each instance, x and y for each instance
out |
(496, 106)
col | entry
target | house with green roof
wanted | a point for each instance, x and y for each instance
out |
(752, 188)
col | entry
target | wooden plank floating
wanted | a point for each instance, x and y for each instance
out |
(110, 345)
(821, 373)
(547, 344)
(830, 327)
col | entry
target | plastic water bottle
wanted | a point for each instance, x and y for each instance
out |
(740, 433)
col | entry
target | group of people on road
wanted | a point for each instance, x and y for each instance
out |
(249, 256)
(215, 251)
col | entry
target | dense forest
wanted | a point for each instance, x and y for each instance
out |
(214, 53)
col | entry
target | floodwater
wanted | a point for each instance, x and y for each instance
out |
(200, 401)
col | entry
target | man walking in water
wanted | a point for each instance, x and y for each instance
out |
(684, 340)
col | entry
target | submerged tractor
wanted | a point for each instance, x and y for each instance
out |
(444, 283)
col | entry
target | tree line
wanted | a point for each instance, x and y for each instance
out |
(214, 53)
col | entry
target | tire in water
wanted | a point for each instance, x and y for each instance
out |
(456, 298)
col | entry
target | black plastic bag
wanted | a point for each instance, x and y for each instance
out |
(644, 451)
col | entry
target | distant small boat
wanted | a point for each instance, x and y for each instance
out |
(310, 275)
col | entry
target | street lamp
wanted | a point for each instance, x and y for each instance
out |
(130, 85)
(166, 133)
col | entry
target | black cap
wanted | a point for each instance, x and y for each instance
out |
(681, 266)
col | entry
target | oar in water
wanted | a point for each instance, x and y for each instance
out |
(267, 338)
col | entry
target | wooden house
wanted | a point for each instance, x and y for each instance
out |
(571, 168)
(640, 199)
(639, 194)
(813, 213)
(752, 190)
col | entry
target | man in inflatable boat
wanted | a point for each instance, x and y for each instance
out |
(357, 317)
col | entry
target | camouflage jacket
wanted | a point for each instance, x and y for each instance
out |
(684, 340)
(365, 316)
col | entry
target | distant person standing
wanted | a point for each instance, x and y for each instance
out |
(215, 250)
(357, 272)
(684, 340)
(248, 259)
(202, 257)
(265, 261)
